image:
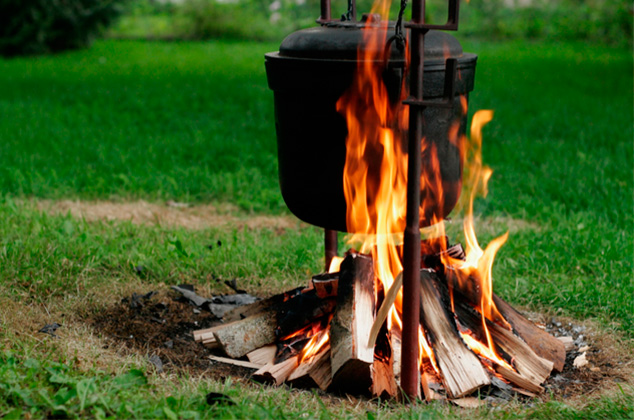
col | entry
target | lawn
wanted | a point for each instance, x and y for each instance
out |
(193, 122)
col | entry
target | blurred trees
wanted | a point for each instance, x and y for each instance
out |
(44, 26)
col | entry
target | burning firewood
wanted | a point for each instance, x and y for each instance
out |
(461, 370)
(350, 327)
(314, 373)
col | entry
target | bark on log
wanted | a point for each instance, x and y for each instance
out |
(351, 357)
(241, 337)
(461, 370)
(326, 284)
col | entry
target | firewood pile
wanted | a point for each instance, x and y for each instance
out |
(334, 335)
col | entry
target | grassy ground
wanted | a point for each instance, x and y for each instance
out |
(193, 122)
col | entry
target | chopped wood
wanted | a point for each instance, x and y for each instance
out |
(199, 333)
(468, 402)
(383, 381)
(384, 310)
(326, 284)
(580, 361)
(351, 357)
(263, 355)
(277, 373)
(241, 337)
(569, 343)
(461, 370)
(528, 364)
(542, 343)
(211, 342)
(235, 362)
(313, 373)
(517, 379)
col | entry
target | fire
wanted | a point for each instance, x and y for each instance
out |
(314, 345)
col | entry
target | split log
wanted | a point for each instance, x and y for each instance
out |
(461, 370)
(383, 381)
(517, 379)
(263, 355)
(276, 374)
(528, 364)
(351, 357)
(241, 337)
(235, 362)
(326, 284)
(313, 373)
(542, 343)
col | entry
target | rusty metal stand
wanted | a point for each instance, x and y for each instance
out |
(330, 246)
(410, 372)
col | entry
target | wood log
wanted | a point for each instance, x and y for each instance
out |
(528, 364)
(461, 370)
(517, 379)
(276, 373)
(326, 284)
(263, 355)
(241, 337)
(351, 357)
(383, 381)
(313, 373)
(235, 362)
(542, 343)
(210, 342)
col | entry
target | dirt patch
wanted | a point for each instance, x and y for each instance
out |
(170, 214)
(163, 320)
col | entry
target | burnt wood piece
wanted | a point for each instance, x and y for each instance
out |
(314, 372)
(263, 355)
(517, 379)
(461, 370)
(528, 364)
(383, 381)
(276, 373)
(542, 343)
(301, 310)
(241, 337)
(271, 304)
(351, 357)
(326, 284)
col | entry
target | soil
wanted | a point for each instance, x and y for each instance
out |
(161, 325)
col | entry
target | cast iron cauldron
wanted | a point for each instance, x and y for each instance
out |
(311, 71)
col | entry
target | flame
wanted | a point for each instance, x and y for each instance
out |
(335, 264)
(314, 345)
(483, 350)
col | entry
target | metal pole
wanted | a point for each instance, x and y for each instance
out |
(325, 11)
(330, 245)
(410, 372)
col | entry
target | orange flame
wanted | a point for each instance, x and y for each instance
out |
(335, 264)
(314, 345)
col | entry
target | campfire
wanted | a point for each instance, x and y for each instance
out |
(350, 329)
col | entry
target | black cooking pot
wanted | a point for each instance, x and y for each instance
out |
(311, 71)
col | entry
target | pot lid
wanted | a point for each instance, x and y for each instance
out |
(340, 41)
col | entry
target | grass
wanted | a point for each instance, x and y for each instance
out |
(193, 122)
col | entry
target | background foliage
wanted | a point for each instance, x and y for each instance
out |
(44, 26)
(593, 21)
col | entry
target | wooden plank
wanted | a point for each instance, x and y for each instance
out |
(351, 357)
(461, 370)
(263, 355)
(235, 362)
(276, 373)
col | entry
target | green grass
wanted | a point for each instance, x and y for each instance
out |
(194, 122)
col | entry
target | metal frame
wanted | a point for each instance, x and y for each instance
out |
(410, 374)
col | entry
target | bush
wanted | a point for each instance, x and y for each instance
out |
(45, 26)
